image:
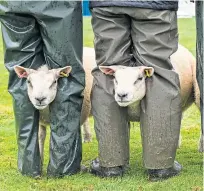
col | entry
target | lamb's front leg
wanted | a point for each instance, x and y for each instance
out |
(87, 131)
(201, 146)
(179, 141)
(180, 137)
(41, 138)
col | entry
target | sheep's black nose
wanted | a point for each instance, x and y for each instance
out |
(122, 95)
(40, 99)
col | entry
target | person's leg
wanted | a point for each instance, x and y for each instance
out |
(155, 38)
(61, 30)
(200, 60)
(22, 46)
(112, 46)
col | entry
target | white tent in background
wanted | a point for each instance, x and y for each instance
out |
(186, 9)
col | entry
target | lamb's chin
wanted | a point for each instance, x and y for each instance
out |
(40, 107)
(123, 104)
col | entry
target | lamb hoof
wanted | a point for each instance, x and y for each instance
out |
(38, 177)
(83, 168)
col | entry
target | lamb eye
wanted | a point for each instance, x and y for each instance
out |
(29, 83)
(53, 83)
(138, 79)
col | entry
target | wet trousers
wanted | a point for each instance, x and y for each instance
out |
(37, 33)
(199, 53)
(134, 36)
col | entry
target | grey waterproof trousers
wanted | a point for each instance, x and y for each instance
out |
(134, 36)
(35, 33)
(199, 52)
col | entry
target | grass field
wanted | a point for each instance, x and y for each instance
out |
(191, 177)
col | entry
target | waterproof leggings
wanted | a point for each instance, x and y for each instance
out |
(134, 36)
(35, 33)
(199, 52)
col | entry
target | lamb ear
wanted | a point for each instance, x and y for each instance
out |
(148, 71)
(63, 72)
(22, 72)
(110, 70)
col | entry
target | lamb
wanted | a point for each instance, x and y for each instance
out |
(44, 84)
(130, 91)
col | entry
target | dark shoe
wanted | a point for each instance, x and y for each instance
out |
(162, 174)
(98, 170)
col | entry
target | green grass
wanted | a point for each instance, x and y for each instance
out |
(190, 179)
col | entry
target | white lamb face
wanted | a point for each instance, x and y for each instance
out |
(41, 84)
(129, 82)
(42, 88)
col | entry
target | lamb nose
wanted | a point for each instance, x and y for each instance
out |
(40, 99)
(122, 95)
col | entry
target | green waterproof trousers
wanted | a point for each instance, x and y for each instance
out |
(35, 33)
(134, 36)
(199, 52)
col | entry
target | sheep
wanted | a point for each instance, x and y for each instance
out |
(183, 62)
(130, 91)
(42, 89)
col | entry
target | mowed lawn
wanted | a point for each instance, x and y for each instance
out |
(191, 177)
